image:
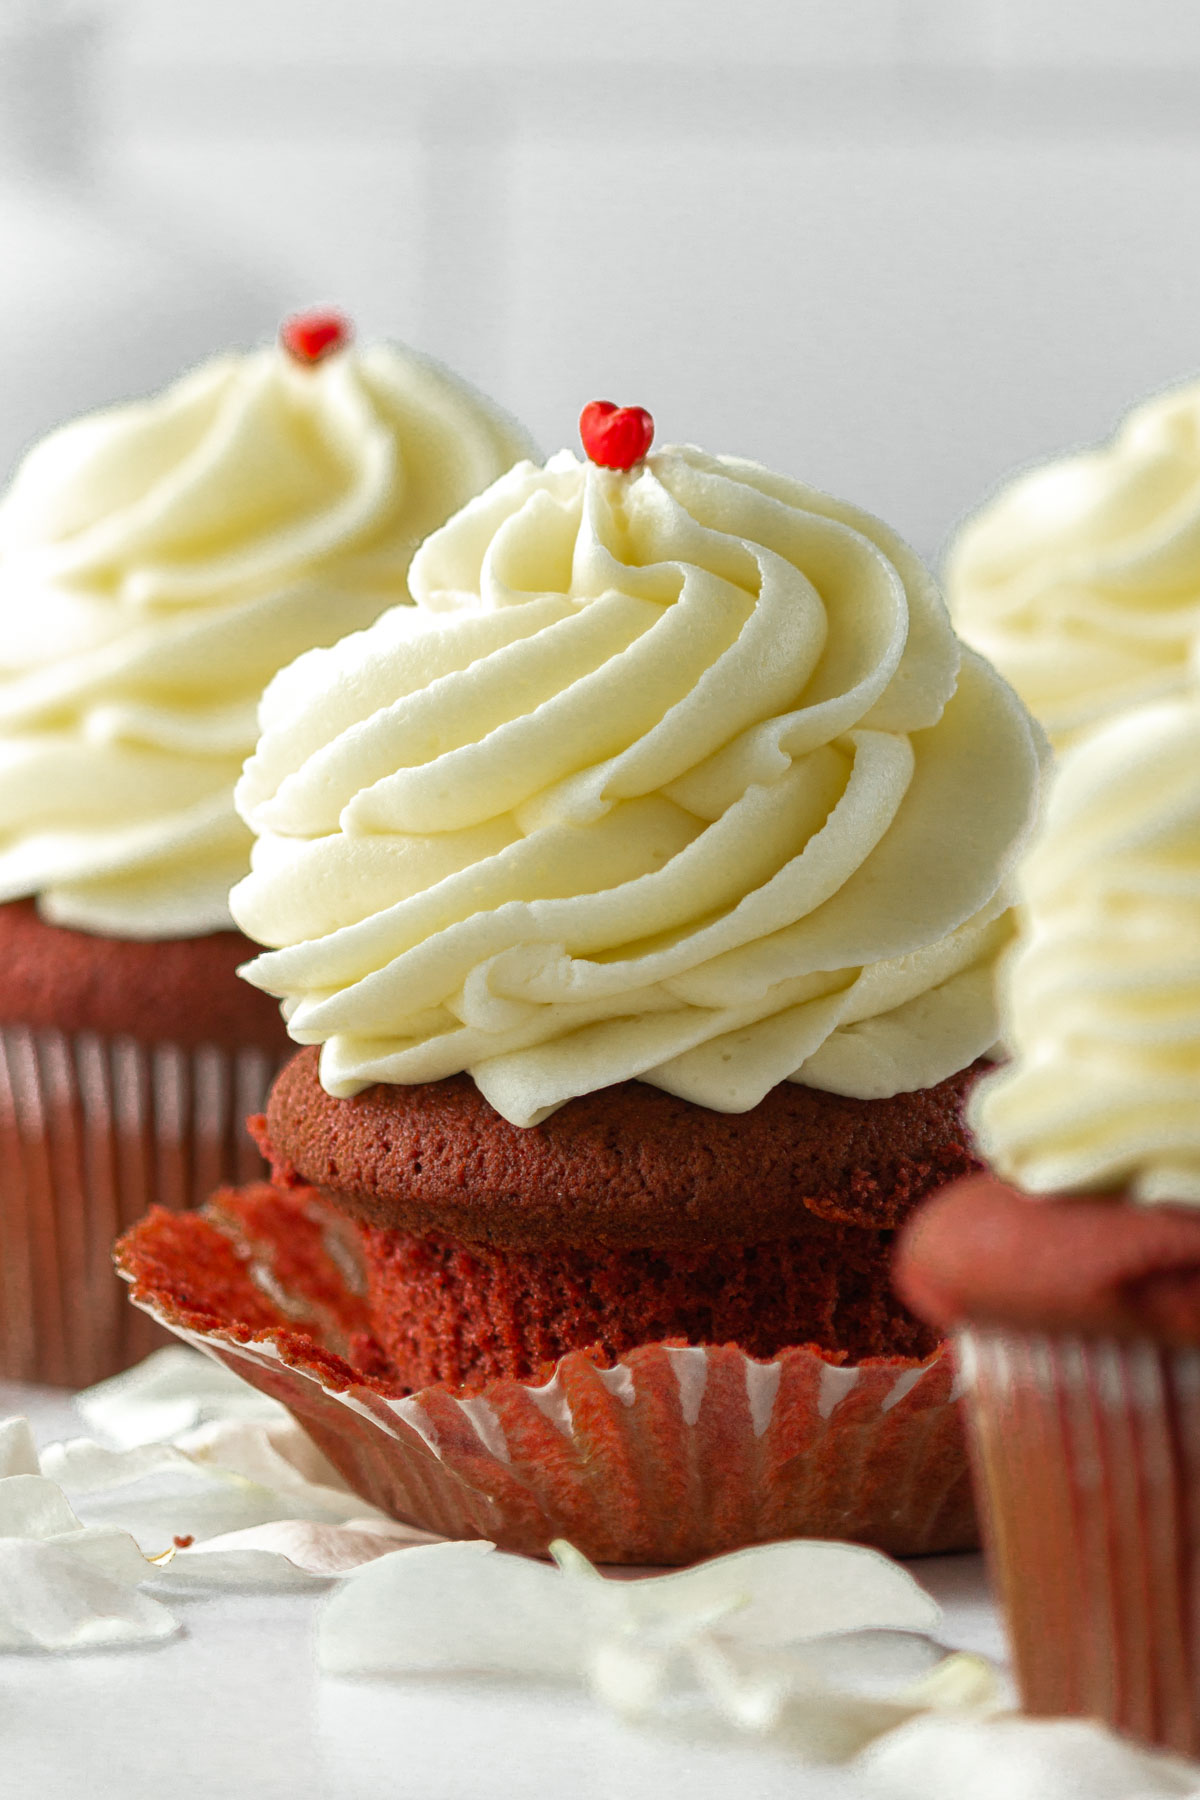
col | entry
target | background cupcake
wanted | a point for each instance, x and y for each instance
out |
(675, 818)
(1080, 579)
(157, 564)
(1080, 1308)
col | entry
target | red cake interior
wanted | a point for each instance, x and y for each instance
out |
(467, 1313)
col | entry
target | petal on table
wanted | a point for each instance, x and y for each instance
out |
(18, 1452)
(172, 1391)
(51, 1599)
(946, 1758)
(287, 1553)
(453, 1608)
(774, 1594)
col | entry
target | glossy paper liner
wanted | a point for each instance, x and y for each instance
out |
(673, 1453)
(93, 1130)
(1088, 1455)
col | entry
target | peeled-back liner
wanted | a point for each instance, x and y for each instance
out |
(671, 1453)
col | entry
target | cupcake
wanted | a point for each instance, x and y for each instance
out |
(1073, 1275)
(158, 563)
(1080, 580)
(641, 888)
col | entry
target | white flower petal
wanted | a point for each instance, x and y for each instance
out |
(827, 1725)
(246, 1571)
(775, 1594)
(453, 1608)
(630, 1675)
(172, 1391)
(878, 1663)
(947, 1758)
(282, 1458)
(963, 1682)
(736, 1635)
(33, 1507)
(159, 1493)
(51, 1599)
(828, 1708)
(18, 1452)
(89, 1468)
(222, 1477)
(287, 1553)
(35, 1510)
(110, 1553)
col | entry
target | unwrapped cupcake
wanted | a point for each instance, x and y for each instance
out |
(158, 563)
(1076, 1291)
(1081, 579)
(642, 886)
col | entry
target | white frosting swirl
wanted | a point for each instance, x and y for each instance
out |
(1103, 987)
(673, 774)
(158, 563)
(1081, 580)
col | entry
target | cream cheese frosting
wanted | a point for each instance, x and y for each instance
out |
(1102, 990)
(1081, 580)
(679, 774)
(158, 563)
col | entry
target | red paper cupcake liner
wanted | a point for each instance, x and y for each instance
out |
(673, 1453)
(1088, 1454)
(93, 1130)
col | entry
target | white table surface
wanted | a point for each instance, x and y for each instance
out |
(235, 1710)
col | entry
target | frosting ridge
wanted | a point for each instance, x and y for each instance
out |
(158, 563)
(1080, 580)
(679, 774)
(1103, 986)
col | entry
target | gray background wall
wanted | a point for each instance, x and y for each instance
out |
(896, 247)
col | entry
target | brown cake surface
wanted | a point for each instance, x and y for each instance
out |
(985, 1254)
(183, 990)
(627, 1217)
(629, 1166)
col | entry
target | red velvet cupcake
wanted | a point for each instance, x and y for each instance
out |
(621, 1220)
(158, 563)
(642, 886)
(567, 1331)
(127, 1069)
(1075, 1296)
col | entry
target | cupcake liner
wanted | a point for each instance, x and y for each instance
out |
(1088, 1453)
(673, 1453)
(93, 1130)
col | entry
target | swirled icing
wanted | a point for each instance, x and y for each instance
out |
(1103, 987)
(158, 563)
(678, 774)
(1081, 580)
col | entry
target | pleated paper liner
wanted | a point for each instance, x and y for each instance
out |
(673, 1453)
(1088, 1453)
(94, 1130)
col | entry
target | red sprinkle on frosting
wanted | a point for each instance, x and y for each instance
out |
(310, 337)
(615, 437)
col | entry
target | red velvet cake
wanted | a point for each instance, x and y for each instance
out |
(1078, 1325)
(656, 1329)
(179, 989)
(987, 1256)
(159, 562)
(622, 1219)
(641, 885)
(126, 1071)
(1074, 1291)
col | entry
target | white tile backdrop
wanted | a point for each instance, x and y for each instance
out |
(894, 246)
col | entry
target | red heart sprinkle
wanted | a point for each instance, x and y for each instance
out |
(615, 436)
(311, 336)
